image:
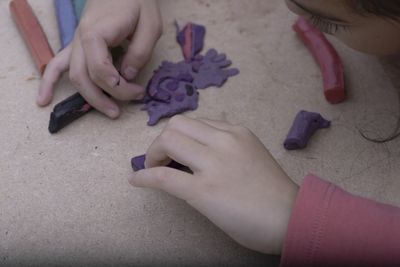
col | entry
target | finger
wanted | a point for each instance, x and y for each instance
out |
(103, 73)
(179, 147)
(98, 59)
(174, 182)
(147, 33)
(80, 78)
(200, 131)
(51, 75)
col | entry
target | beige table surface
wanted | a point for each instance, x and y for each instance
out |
(65, 199)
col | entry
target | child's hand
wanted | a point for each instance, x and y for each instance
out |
(106, 24)
(235, 182)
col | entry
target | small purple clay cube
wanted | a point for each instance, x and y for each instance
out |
(138, 164)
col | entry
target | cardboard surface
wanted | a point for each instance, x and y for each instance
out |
(65, 199)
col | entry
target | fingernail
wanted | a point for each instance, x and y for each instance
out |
(130, 73)
(113, 112)
(113, 81)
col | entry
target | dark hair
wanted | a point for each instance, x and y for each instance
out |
(387, 9)
(383, 8)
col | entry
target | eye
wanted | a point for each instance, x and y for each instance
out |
(325, 26)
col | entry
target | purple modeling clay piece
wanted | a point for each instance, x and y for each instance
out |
(191, 39)
(66, 19)
(138, 164)
(184, 98)
(304, 126)
(212, 70)
(159, 87)
(173, 87)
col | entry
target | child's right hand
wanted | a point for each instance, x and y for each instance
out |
(235, 182)
(106, 24)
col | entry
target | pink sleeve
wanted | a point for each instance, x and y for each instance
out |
(330, 227)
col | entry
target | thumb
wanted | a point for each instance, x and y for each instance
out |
(174, 182)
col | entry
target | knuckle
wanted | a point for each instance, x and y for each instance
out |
(96, 72)
(208, 188)
(228, 140)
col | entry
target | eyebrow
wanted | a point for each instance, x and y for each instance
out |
(317, 13)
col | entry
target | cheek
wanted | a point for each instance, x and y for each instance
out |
(378, 39)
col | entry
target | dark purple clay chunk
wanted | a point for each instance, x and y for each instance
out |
(138, 164)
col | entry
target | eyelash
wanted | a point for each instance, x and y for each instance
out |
(326, 26)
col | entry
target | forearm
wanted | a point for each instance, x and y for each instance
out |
(330, 227)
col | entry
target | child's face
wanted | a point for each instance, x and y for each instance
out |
(366, 33)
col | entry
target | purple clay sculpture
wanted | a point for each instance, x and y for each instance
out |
(304, 126)
(173, 87)
(191, 39)
(138, 164)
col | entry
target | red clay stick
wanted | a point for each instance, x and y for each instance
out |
(32, 33)
(327, 57)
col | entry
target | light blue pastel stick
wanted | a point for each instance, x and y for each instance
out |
(79, 5)
(66, 21)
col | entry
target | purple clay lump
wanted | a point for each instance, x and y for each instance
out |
(304, 126)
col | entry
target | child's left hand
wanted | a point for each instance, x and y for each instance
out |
(235, 182)
(106, 24)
